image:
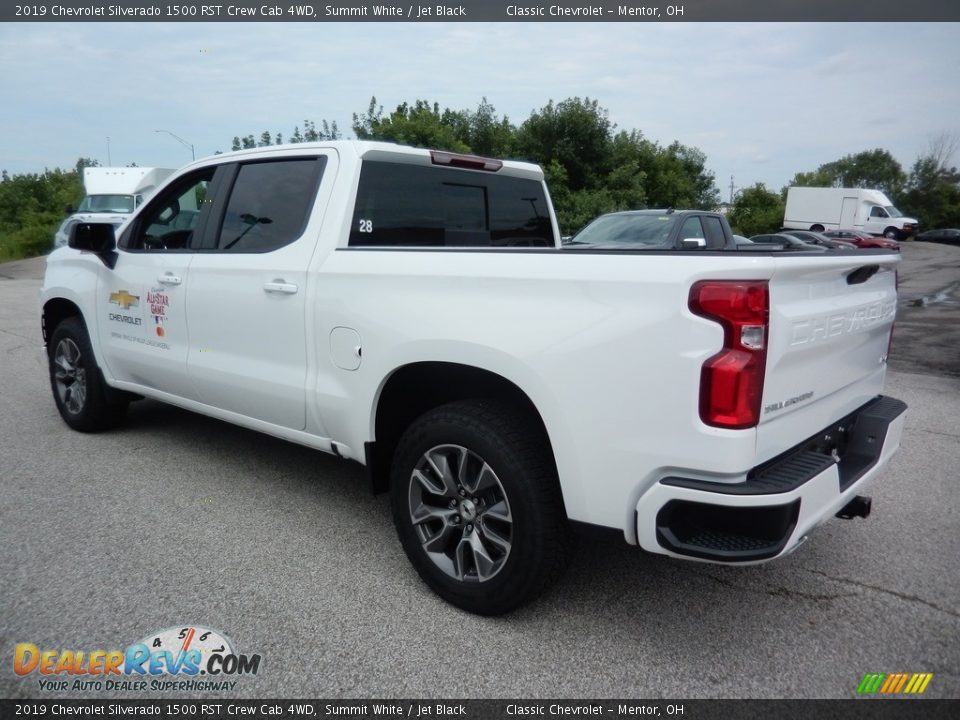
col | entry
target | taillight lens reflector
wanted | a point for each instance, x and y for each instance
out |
(731, 382)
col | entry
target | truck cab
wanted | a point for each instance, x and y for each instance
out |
(881, 217)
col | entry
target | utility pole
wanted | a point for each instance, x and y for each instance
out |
(732, 188)
(109, 162)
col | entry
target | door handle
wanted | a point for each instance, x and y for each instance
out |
(169, 279)
(278, 286)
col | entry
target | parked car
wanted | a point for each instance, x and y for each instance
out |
(863, 239)
(788, 242)
(815, 238)
(944, 235)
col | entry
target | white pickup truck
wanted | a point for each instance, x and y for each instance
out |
(415, 311)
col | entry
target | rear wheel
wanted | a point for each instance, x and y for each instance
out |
(477, 506)
(76, 381)
(817, 228)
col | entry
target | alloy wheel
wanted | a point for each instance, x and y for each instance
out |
(460, 513)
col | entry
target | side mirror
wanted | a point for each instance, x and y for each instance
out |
(97, 238)
(92, 237)
(694, 242)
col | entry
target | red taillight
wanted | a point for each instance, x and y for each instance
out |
(731, 382)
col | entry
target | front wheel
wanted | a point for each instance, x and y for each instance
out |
(891, 233)
(78, 387)
(477, 506)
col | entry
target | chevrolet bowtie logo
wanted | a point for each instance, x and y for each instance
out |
(124, 299)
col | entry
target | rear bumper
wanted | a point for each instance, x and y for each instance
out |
(771, 513)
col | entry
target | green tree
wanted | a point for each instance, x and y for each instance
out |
(756, 210)
(932, 193)
(32, 206)
(576, 133)
(421, 125)
(868, 169)
(487, 134)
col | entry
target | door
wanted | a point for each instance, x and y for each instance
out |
(247, 291)
(848, 213)
(142, 301)
(877, 220)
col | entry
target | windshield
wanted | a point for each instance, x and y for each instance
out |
(892, 211)
(632, 230)
(107, 204)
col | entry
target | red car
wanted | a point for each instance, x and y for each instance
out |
(862, 239)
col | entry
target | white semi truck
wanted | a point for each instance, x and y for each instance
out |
(113, 193)
(820, 209)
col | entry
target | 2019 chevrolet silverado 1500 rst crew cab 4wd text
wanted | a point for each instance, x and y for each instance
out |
(414, 311)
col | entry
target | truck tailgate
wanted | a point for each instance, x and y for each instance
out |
(830, 323)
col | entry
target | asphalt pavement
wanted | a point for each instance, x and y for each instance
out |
(175, 519)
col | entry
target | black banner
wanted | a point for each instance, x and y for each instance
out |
(222, 709)
(857, 11)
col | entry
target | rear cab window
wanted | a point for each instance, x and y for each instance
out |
(409, 205)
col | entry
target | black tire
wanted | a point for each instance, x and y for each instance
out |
(523, 487)
(891, 233)
(817, 228)
(77, 384)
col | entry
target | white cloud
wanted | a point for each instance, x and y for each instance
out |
(762, 101)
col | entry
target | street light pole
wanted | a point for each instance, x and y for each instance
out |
(181, 141)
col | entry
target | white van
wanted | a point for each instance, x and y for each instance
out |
(820, 209)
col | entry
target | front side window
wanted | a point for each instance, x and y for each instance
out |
(692, 229)
(404, 205)
(170, 220)
(269, 204)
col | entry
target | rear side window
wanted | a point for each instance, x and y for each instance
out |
(269, 204)
(401, 205)
(714, 231)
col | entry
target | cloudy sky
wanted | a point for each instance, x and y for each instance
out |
(762, 101)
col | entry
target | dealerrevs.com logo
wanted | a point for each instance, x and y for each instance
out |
(188, 658)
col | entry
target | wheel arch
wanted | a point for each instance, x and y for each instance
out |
(55, 311)
(417, 387)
